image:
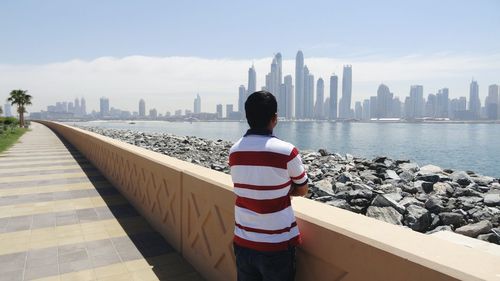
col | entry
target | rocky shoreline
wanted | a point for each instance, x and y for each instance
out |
(426, 199)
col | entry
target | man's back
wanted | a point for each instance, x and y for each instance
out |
(263, 169)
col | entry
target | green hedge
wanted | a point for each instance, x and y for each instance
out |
(7, 124)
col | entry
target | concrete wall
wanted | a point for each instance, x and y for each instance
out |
(193, 208)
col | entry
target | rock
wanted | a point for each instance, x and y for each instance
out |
(314, 174)
(407, 201)
(461, 178)
(379, 159)
(448, 218)
(369, 176)
(407, 176)
(428, 177)
(410, 188)
(360, 202)
(411, 167)
(492, 199)
(434, 205)
(387, 188)
(441, 188)
(431, 169)
(473, 230)
(417, 218)
(440, 228)
(323, 188)
(387, 214)
(323, 152)
(360, 193)
(340, 203)
(483, 180)
(345, 177)
(427, 187)
(392, 175)
(382, 200)
(490, 237)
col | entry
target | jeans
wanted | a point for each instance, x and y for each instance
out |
(254, 265)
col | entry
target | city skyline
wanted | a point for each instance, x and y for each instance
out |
(167, 52)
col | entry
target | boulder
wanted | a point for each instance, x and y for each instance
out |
(340, 203)
(461, 178)
(345, 177)
(483, 180)
(323, 188)
(409, 200)
(387, 214)
(430, 169)
(427, 187)
(360, 193)
(383, 200)
(442, 188)
(407, 176)
(417, 218)
(440, 228)
(411, 167)
(475, 229)
(392, 175)
(428, 177)
(434, 204)
(492, 199)
(449, 218)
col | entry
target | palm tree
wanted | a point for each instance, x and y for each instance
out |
(21, 99)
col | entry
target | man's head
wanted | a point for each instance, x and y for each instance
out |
(261, 110)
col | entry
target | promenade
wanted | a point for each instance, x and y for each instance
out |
(60, 219)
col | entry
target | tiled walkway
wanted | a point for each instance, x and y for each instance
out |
(61, 220)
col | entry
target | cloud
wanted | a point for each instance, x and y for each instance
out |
(169, 83)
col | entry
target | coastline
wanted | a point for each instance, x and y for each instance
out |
(426, 199)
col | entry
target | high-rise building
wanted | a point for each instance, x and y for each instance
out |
(242, 92)
(358, 111)
(384, 102)
(443, 103)
(104, 107)
(320, 97)
(414, 104)
(345, 101)
(492, 102)
(474, 101)
(308, 94)
(229, 110)
(252, 80)
(83, 107)
(7, 110)
(290, 109)
(219, 111)
(326, 108)
(282, 101)
(279, 63)
(334, 81)
(77, 110)
(142, 108)
(197, 104)
(366, 110)
(431, 106)
(71, 107)
(153, 113)
(373, 107)
(299, 85)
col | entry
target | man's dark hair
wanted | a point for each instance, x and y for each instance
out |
(260, 108)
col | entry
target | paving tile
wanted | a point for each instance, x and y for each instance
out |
(74, 266)
(10, 262)
(41, 271)
(12, 275)
(19, 223)
(106, 259)
(42, 253)
(44, 220)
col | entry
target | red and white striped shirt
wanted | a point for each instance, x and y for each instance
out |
(263, 168)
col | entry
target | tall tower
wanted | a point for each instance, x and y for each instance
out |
(320, 96)
(474, 101)
(290, 114)
(197, 104)
(104, 106)
(142, 108)
(242, 92)
(77, 107)
(83, 106)
(252, 80)
(334, 81)
(299, 85)
(345, 105)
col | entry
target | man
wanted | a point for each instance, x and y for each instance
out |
(266, 171)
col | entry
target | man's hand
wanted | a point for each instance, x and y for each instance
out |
(299, 190)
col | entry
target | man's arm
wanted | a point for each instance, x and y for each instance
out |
(299, 190)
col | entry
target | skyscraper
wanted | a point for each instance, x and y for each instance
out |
(252, 81)
(334, 81)
(83, 107)
(104, 106)
(414, 104)
(320, 96)
(384, 102)
(308, 94)
(142, 108)
(474, 101)
(219, 111)
(279, 63)
(345, 104)
(358, 111)
(492, 102)
(197, 104)
(299, 85)
(442, 103)
(7, 110)
(366, 109)
(289, 97)
(242, 92)
(77, 110)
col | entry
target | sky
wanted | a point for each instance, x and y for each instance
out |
(168, 51)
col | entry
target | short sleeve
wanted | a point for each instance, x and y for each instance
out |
(296, 169)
